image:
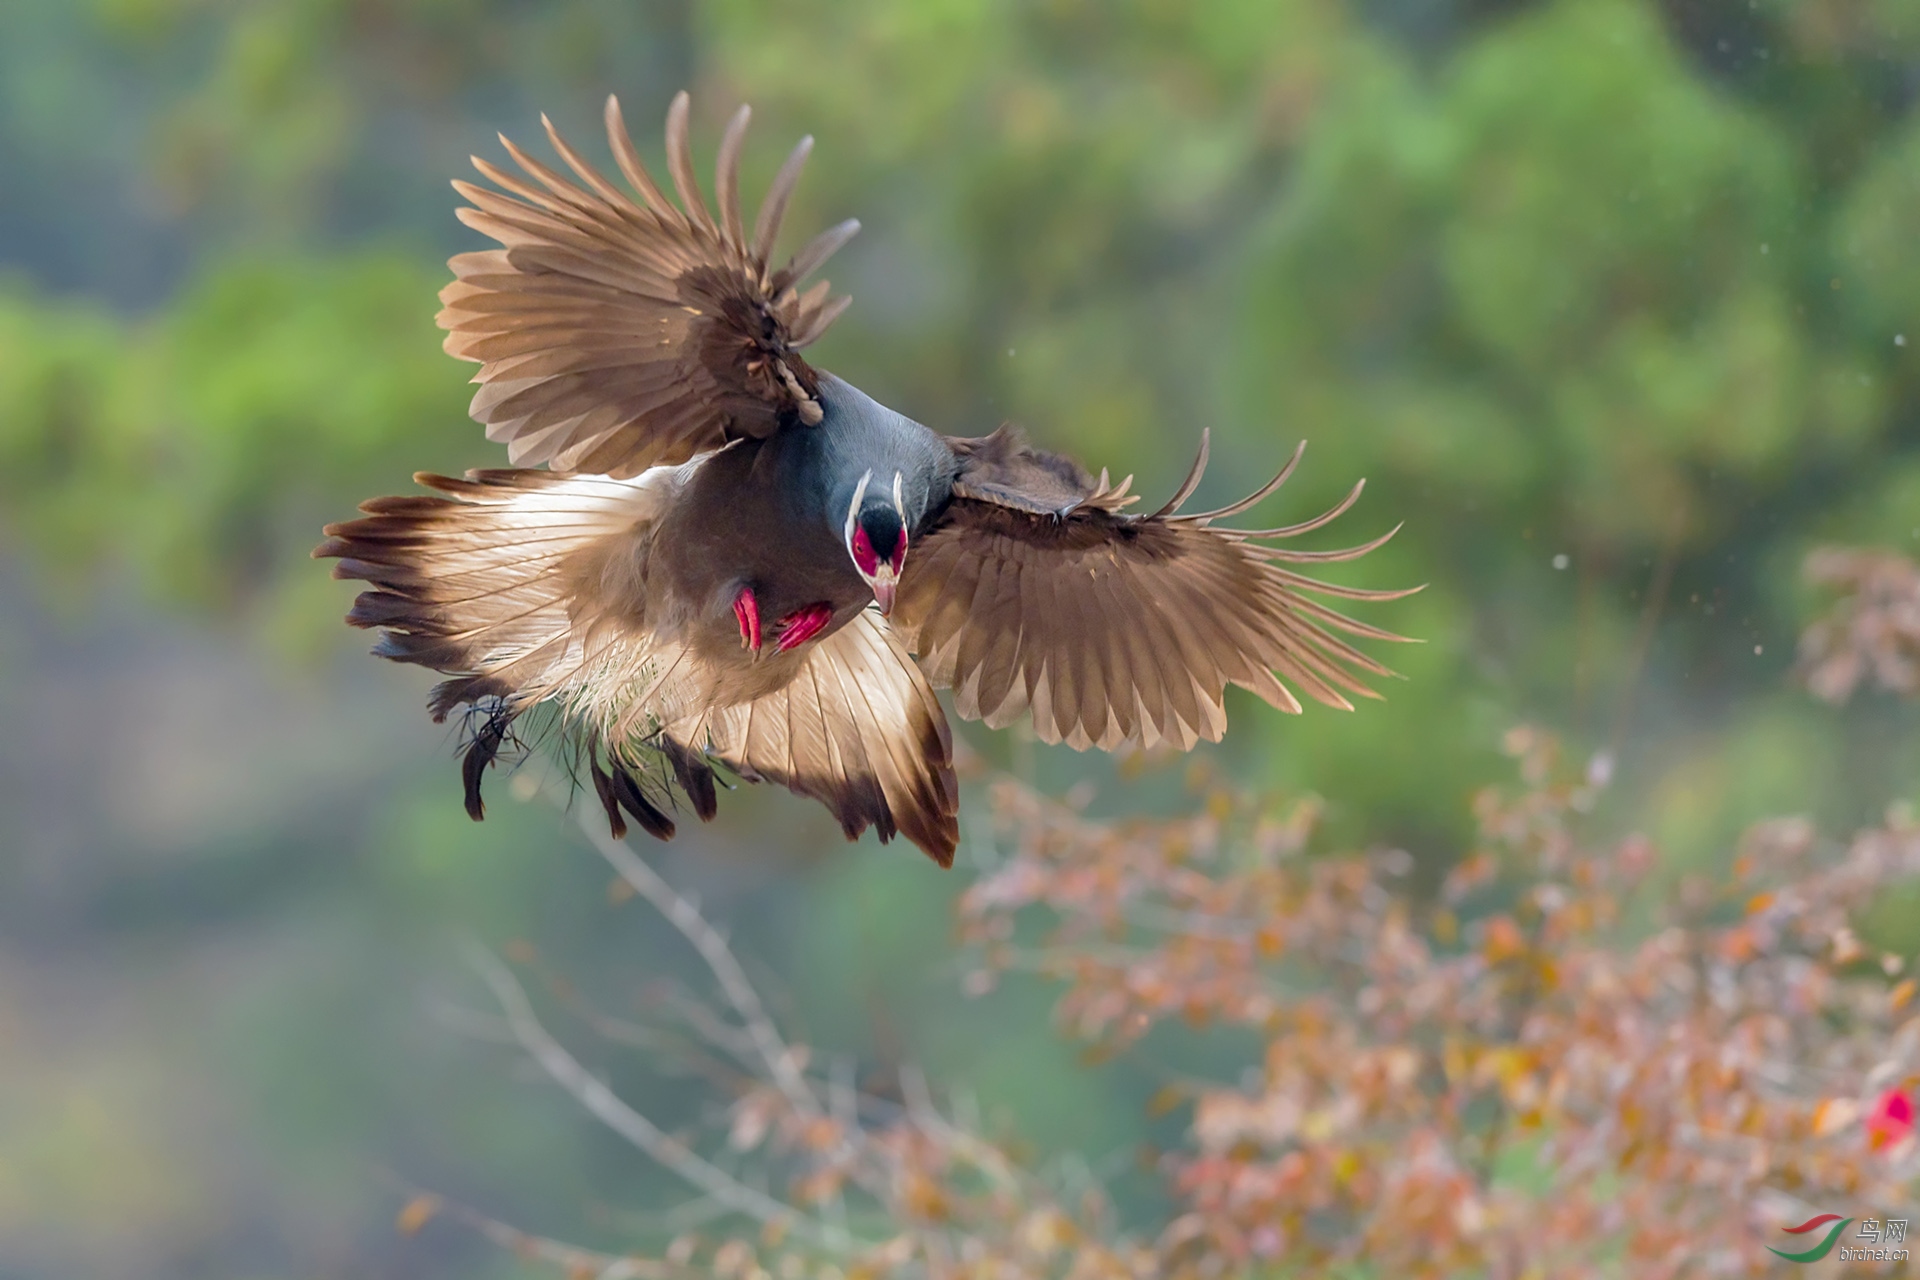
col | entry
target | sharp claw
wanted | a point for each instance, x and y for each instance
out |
(746, 612)
(802, 625)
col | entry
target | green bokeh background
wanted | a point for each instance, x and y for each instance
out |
(1626, 286)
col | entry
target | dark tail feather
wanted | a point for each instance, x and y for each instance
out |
(651, 820)
(695, 777)
(617, 787)
(603, 787)
(480, 753)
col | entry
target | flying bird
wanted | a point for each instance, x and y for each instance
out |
(709, 554)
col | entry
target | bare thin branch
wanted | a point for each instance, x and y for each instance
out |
(573, 1259)
(610, 1110)
(781, 1063)
(982, 1155)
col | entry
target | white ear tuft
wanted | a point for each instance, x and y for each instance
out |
(853, 508)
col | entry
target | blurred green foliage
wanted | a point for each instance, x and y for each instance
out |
(1617, 305)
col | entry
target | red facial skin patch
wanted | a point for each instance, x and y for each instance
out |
(868, 562)
(802, 625)
(863, 555)
(747, 613)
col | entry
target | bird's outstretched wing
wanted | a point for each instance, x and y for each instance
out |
(519, 586)
(615, 333)
(501, 581)
(1036, 591)
(859, 730)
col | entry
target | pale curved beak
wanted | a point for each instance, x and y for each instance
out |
(884, 586)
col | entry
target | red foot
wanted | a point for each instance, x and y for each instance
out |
(747, 613)
(803, 625)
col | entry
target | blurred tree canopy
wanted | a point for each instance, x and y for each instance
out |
(1616, 303)
(1586, 279)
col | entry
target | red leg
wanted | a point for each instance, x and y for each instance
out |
(803, 625)
(746, 611)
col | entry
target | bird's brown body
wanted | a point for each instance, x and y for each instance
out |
(735, 530)
(691, 583)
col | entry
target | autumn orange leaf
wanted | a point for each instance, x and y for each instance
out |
(1833, 1115)
(416, 1213)
(1504, 940)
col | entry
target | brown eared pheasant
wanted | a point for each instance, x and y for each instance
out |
(708, 554)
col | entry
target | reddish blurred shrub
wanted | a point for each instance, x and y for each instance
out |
(1561, 1064)
(1559, 1061)
(1872, 632)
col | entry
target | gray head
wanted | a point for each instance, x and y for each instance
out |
(876, 536)
(890, 473)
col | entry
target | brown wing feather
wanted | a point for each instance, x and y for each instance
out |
(615, 334)
(527, 587)
(517, 585)
(481, 582)
(1036, 593)
(859, 729)
(1005, 470)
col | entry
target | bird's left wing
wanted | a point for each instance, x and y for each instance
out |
(617, 331)
(858, 729)
(1036, 591)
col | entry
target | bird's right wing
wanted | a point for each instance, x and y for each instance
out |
(617, 334)
(1036, 591)
(858, 729)
(522, 587)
